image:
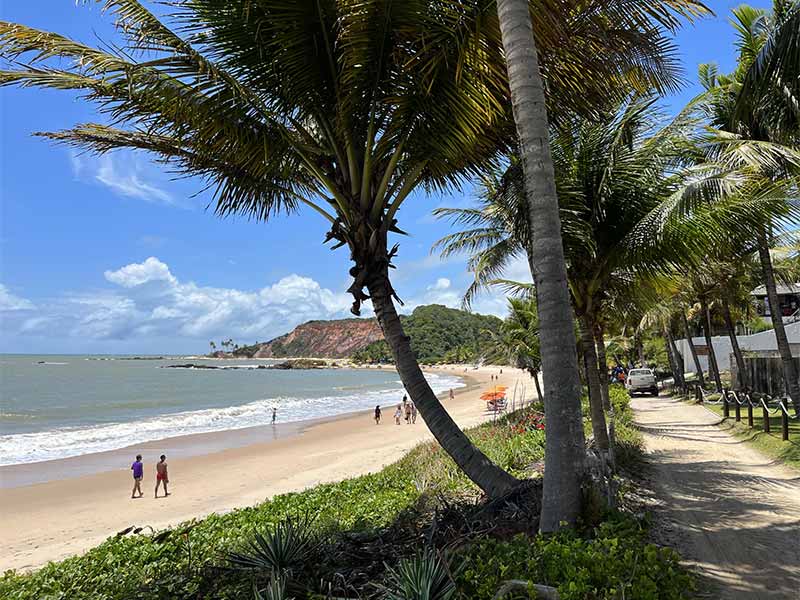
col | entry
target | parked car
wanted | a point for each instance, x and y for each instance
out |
(641, 380)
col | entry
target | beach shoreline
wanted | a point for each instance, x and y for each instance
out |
(212, 472)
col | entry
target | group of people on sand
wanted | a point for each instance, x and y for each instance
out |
(407, 408)
(162, 476)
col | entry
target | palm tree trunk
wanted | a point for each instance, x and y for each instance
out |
(789, 369)
(599, 427)
(713, 368)
(637, 340)
(737, 352)
(564, 446)
(493, 480)
(672, 350)
(693, 350)
(602, 364)
(535, 375)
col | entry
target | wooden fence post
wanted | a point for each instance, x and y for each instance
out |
(749, 414)
(766, 416)
(737, 407)
(784, 425)
(726, 411)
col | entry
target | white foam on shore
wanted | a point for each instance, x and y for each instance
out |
(22, 448)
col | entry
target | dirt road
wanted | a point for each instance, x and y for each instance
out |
(736, 512)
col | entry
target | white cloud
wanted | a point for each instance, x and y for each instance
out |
(123, 177)
(9, 301)
(442, 283)
(148, 302)
(136, 274)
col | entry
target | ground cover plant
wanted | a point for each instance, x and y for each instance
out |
(360, 538)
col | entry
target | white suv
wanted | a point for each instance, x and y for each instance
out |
(641, 380)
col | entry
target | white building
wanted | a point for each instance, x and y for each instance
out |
(723, 349)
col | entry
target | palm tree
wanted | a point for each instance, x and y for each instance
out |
(342, 107)
(616, 204)
(563, 444)
(517, 342)
(345, 108)
(756, 108)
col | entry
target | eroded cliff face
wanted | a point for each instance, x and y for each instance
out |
(323, 339)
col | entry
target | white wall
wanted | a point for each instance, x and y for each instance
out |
(722, 346)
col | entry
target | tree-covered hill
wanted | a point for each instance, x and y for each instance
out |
(439, 334)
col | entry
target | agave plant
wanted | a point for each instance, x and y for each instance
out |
(276, 590)
(280, 552)
(426, 576)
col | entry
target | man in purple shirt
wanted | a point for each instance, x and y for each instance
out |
(138, 473)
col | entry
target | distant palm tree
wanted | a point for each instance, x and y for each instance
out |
(517, 341)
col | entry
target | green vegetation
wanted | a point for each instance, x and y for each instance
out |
(439, 334)
(395, 505)
(771, 443)
(615, 563)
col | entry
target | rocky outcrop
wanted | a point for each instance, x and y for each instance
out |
(323, 339)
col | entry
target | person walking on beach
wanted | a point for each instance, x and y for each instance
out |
(452, 395)
(408, 413)
(162, 475)
(413, 413)
(398, 414)
(138, 474)
(274, 414)
(378, 414)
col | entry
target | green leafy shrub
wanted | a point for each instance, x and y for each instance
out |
(616, 563)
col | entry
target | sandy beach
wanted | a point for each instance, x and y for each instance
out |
(78, 507)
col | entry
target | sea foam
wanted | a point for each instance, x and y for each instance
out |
(66, 442)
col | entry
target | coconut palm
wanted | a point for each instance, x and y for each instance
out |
(517, 342)
(612, 179)
(523, 48)
(755, 111)
(344, 107)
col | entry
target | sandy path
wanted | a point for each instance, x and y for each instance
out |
(49, 521)
(736, 512)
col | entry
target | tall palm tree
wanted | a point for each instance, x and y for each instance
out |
(341, 106)
(559, 361)
(616, 200)
(756, 107)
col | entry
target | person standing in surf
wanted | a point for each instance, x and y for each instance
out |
(138, 474)
(378, 414)
(162, 475)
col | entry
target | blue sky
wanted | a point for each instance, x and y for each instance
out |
(112, 255)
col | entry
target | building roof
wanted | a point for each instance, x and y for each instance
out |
(783, 289)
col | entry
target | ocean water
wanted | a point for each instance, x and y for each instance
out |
(55, 407)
